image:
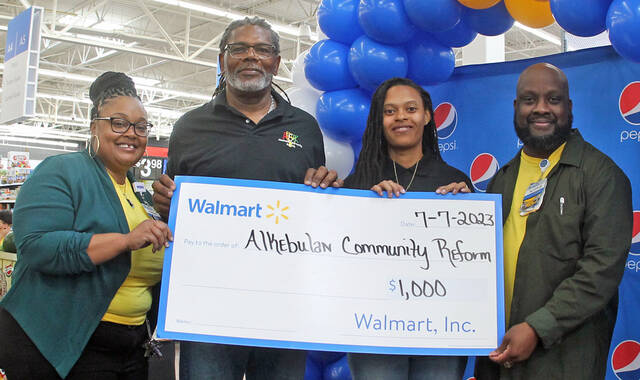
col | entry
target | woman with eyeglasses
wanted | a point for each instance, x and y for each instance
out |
(89, 253)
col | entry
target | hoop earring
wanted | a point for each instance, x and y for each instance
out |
(89, 144)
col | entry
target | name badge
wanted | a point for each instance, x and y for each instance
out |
(151, 212)
(533, 197)
(138, 187)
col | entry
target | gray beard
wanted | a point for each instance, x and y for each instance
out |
(253, 85)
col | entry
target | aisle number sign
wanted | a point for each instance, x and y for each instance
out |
(20, 74)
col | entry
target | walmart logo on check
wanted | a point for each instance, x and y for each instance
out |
(202, 206)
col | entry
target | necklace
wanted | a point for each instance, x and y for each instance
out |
(123, 190)
(272, 106)
(412, 177)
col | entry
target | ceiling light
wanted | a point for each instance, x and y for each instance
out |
(141, 84)
(233, 16)
(90, 22)
(41, 142)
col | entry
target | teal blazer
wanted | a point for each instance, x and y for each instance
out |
(58, 295)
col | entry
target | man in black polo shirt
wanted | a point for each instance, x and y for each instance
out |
(247, 131)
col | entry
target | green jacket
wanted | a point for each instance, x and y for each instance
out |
(58, 295)
(569, 265)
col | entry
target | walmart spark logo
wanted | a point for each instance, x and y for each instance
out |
(277, 212)
(290, 140)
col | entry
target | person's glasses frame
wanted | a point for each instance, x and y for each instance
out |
(121, 126)
(241, 50)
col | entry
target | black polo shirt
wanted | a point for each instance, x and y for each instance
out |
(216, 140)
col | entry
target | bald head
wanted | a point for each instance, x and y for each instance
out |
(543, 70)
(542, 109)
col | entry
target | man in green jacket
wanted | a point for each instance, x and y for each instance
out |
(567, 230)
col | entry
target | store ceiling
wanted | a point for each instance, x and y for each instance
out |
(172, 49)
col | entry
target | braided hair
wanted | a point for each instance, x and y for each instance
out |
(224, 40)
(368, 171)
(110, 85)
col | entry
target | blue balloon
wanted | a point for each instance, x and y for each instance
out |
(338, 19)
(338, 370)
(326, 66)
(371, 63)
(343, 116)
(385, 21)
(584, 18)
(313, 371)
(434, 15)
(323, 358)
(459, 36)
(623, 22)
(492, 21)
(430, 62)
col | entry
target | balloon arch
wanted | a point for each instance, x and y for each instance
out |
(370, 41)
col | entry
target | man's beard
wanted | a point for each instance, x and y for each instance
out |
(547, 143)
(252, 85)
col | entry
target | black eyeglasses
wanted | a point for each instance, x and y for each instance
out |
(119, 125)
(241, 50)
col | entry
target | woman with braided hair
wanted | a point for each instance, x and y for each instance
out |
(90, 252)
(399, 154)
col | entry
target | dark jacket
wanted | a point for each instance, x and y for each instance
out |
(569, 264)
(58, 295)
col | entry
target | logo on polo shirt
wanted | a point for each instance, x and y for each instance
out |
(290, 140)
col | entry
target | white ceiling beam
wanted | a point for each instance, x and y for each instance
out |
(153, 18)
(214, 40)
(150, 53)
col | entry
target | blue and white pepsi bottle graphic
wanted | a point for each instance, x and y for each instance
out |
(635, 237)
(625, 360)
(446, 119)
(630, 103)
(483, 168)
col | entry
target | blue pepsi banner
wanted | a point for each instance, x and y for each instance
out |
(474, 114)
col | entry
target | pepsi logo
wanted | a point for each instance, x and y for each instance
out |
(446, 119)
(630, 103)
(8, 270)
(483, 168)
(635, 237)
(625, 360)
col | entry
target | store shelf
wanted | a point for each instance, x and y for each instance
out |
(11, 184)
(8, 256)
(7, 201)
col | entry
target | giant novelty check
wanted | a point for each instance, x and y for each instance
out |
(284, 265)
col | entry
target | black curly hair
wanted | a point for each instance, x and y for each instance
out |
(368, 171)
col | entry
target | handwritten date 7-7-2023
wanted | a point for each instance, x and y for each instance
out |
(461, 219)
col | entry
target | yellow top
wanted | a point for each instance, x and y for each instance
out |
(515, 226)
(132, 301)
